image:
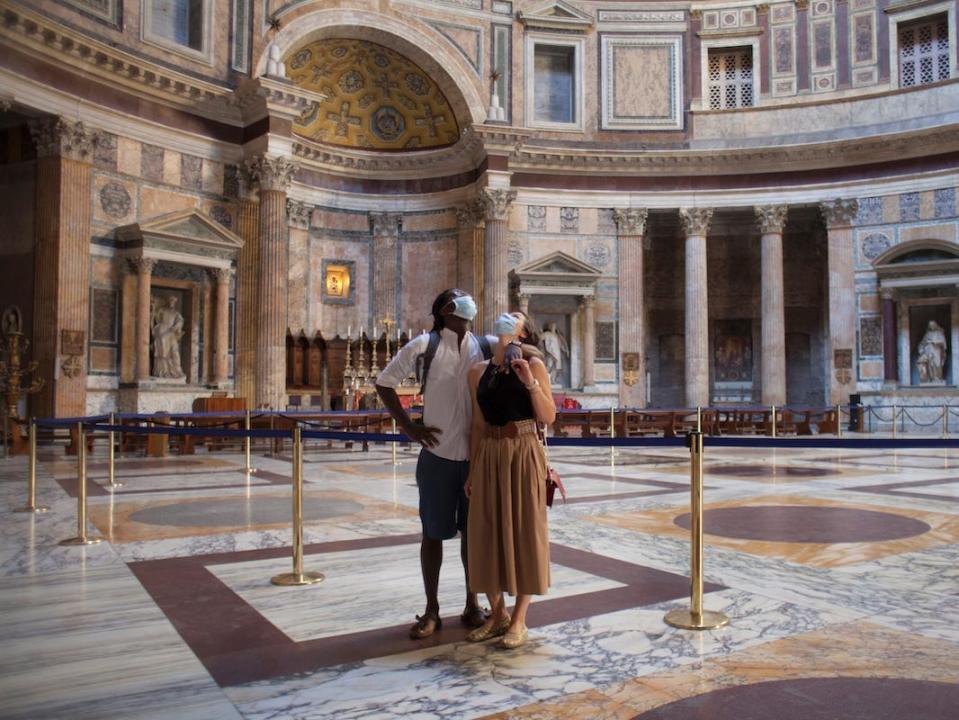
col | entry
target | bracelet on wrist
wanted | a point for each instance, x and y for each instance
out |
(533, 385)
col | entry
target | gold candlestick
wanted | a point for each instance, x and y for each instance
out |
(388, 324)
(15, 377)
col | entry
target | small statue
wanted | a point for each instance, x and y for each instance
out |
(932, 354)
(167, 332)
(554, 347)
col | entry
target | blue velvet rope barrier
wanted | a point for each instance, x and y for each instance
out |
(69, 422)
(196, 431)
(828, 443)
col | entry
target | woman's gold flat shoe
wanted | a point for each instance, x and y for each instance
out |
(485, 632)
(512, 640)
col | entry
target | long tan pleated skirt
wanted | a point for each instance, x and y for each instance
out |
(507, 532)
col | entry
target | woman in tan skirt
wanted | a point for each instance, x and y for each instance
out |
(507, 533)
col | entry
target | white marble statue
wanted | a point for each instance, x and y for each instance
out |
(554, 348)
(932, 354)
(167, 332)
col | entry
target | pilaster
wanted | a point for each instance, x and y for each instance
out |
(771, 220)
(841, 343)
(497, 203)
(631, 223)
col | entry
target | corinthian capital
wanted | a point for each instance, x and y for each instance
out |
(64, 138)
(839, 213)
(631, 221)
(385, 224)
(696, 220)
(142, 265)
(298, 214)
(771, 218)
(497, 202)
(271, 172)
(469, 214)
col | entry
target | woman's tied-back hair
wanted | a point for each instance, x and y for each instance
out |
(441, 301)
(529, 332)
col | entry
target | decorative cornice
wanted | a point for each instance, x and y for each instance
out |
(271, 172)
(59, 137)
(839, 213)
(771, 218)
(730, 32)
(496, 202)
(298, 214)
(631, 221)
(501, 139)
(385, 224)
(264, 96)
(569, 18)
(786, 158)
(695, 220)
(43, 38)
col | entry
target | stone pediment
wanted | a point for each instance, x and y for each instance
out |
(556, 273)
(556, 15)
(184, 233)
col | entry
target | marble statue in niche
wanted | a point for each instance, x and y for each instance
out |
(554, 347)
(932, 354)
(167, 325)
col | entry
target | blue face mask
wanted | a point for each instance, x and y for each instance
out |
(464, 307)
(505, 325)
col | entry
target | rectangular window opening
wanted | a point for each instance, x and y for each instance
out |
(554, 84)
(730, 78)
(924, 51)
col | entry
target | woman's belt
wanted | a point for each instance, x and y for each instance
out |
(511, 429)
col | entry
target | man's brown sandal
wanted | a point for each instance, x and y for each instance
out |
(426, 625)
(474, 617)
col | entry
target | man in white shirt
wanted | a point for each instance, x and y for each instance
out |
(443, 464)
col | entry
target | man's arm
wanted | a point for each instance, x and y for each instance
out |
(400, 367)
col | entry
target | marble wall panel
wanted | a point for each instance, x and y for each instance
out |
(927, 207)
(784, 50)
(212, 176)
(154, 201)
(299, 282)
(944, 231)
(871, 370)
(909, 207)
(870, 335)
(874, 243)
(191, 172)
(870, 211)
(171, 167)
(327, 219)
(944, 203)
(151, 162)
(890, 208)
(105, 155)
(536, 218)
(443, 220)
(869, 303)
(429, 267)
(863, 29)
(114, 200)
(542, 246)
(128, 156)
(641, 82)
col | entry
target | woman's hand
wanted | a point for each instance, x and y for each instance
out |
(523, 372)
(468, 488)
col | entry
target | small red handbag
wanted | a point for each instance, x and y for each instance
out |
(553, 483)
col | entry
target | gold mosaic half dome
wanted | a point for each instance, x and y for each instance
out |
(377, 99)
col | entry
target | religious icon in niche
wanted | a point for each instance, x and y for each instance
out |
(733, 351)
(337, 281)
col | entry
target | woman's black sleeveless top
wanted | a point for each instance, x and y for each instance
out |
(503, 397)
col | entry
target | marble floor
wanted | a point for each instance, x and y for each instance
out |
(839, 570)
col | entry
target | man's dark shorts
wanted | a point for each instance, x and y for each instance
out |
(443, 502)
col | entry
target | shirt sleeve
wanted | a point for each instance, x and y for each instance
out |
(404, 362)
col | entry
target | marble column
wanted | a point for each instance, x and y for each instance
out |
(523, 299)
(588, 305)
(221, 328)
(247, 264)
(890, 358)
(696, 223)
(841, 338)
(61, 301)
(274, 176)
(386, 233)
(144, 270)
(631, 223)
(468, 217)
(771, 219)
(496, 266)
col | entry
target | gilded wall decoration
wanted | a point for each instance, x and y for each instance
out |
(377, 98)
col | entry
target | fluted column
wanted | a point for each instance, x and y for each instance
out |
(496, 267)
(247, 264)
(841, 340)
(468, 217)
(588, 305)
(696, 223)
(221, 331)
(274, 176)
(144, 270)
(771, 219)
(631, 223)
(386, 233)
(61, 272)
(890, 358)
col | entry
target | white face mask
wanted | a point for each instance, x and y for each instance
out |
(505, 324)
(464, 307)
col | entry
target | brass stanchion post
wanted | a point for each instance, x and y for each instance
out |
(297, 577)
(945, 421)
(31, 505)
(696, 618)
(774, 420)
(247, 446)
(394, 442)
(81, 538)
(612, 435)
(895, 409)
(111, 457)
(699, 418)
(838, 420)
